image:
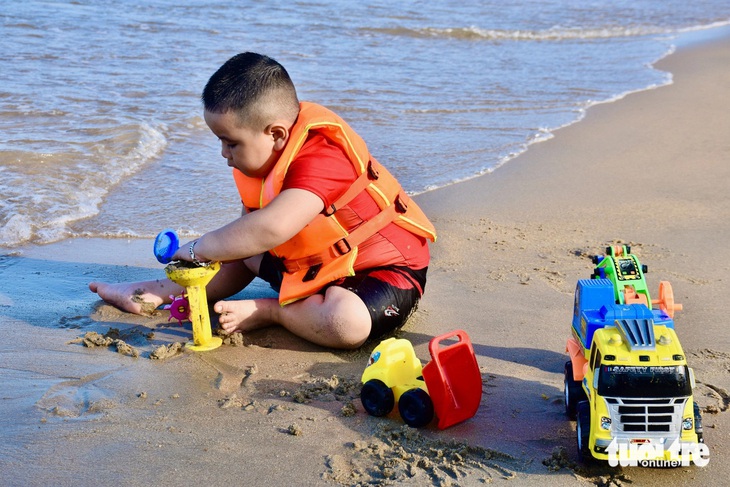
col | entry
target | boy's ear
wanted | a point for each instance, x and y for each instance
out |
(280, 133)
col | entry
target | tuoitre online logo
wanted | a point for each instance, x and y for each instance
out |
(654, 455)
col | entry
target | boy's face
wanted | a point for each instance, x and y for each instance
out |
(250, 151)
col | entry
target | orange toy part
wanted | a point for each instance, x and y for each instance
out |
(632, 297)
(580, 364)
(453, 379)
(666, 299)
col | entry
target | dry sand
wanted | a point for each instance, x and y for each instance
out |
(650, 170)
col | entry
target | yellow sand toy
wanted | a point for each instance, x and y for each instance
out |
(193, 303)
(194, 279)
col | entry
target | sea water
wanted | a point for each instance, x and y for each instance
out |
(100, 116)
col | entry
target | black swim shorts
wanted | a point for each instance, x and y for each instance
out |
(389, 304)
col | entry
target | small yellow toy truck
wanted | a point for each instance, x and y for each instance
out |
(449, 387)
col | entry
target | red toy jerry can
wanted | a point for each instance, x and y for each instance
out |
(453, 379)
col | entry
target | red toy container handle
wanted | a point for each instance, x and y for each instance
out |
(434, 346)
(453, 379)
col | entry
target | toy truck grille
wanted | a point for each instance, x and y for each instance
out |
(655, 417)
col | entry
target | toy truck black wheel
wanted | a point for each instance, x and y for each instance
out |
(377, 398)
(573, 391)
(416, 408)
(583, 431)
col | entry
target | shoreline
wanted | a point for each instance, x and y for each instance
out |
(684, 39)
(649, 169)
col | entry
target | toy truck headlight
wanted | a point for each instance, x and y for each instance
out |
(687, 424)
(373, 358)
(605, 423)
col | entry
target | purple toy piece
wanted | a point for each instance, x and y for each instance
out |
(179, 308)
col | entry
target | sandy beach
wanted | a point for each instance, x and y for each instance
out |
(650, 170)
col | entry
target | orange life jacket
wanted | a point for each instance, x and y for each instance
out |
(325, 250)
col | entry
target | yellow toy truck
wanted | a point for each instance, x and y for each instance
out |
(449, 387)
(627, 383)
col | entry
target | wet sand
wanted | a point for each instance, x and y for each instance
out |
(650, 170)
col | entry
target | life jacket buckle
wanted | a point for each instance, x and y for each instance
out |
(312, 273)
(400, 205)
(342, 246)
(330, 210)
(372, 172)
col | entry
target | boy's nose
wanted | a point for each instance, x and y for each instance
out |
(225, 152)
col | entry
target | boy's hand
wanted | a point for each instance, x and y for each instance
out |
(187, 252)
(183, 252)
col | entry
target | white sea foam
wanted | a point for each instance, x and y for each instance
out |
(552, 34)
(556, 33)
(46, 198)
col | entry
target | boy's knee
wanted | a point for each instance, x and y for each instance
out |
(347, 318)
(349, 331)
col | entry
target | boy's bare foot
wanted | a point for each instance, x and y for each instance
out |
(133, 297)
(245, 315)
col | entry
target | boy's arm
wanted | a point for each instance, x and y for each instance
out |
(258, 231)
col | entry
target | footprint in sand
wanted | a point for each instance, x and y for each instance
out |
(77, 398)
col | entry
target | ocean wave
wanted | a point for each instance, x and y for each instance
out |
(45, 193)
(474, 33)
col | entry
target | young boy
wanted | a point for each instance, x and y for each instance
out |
(324, 223)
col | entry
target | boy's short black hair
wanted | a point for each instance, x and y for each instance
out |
(256, 87)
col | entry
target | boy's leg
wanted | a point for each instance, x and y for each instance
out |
(367, 305)
(337, 319)
(145, 296)
(232, 278)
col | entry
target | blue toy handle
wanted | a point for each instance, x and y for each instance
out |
(166, 244)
